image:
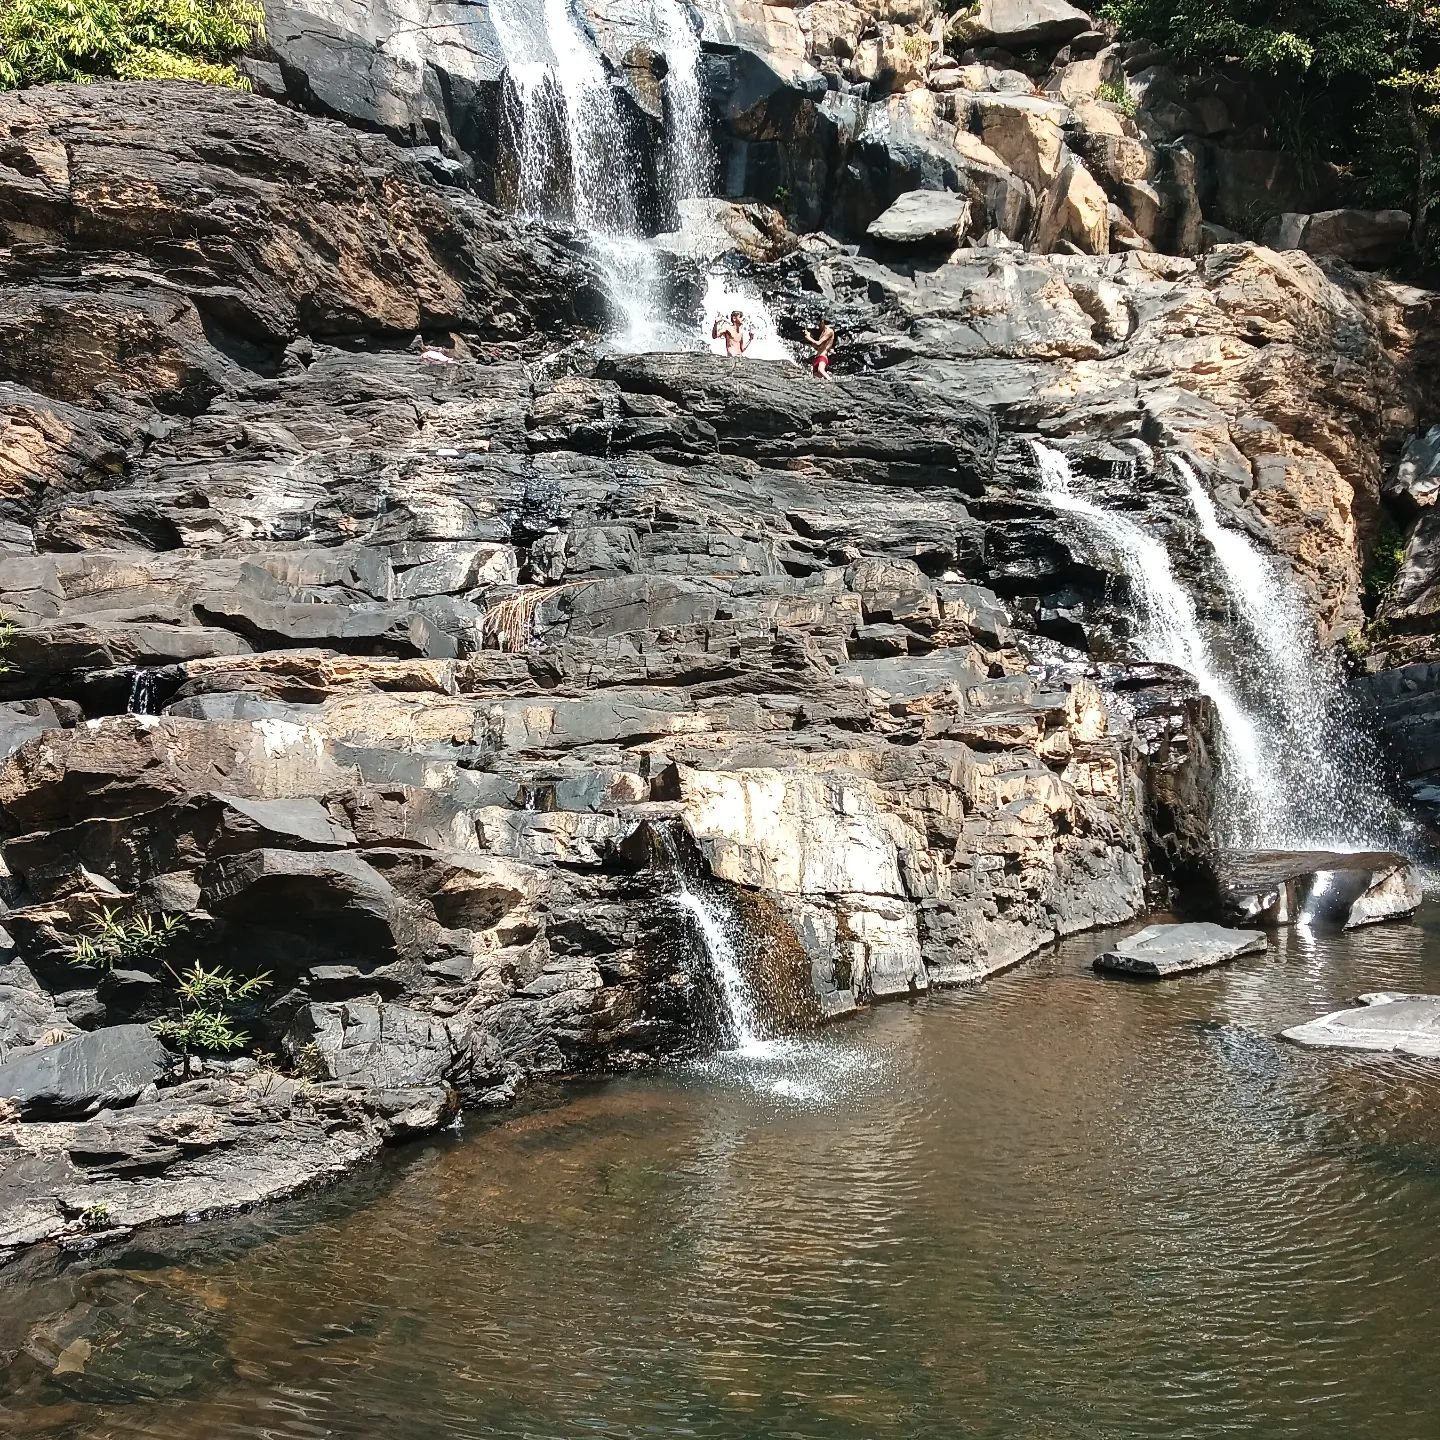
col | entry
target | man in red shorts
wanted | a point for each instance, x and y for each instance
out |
(822, 343)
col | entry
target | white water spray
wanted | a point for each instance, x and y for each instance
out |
(1169, 633)
(715, 932)
(1333, 799)
(724, 294)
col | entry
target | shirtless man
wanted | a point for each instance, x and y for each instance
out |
(737, 335)
(822, 343)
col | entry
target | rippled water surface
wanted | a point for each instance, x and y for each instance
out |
(1056, 1206)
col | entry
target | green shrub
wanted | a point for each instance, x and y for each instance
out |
(78, 40)
(1117, 93)
(1382, 566)
(115, 937)
(205, 1006)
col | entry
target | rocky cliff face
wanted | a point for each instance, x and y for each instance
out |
(410, 683)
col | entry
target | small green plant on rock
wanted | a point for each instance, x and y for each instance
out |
(1117, 93)
(117, 938)
(95, 1217)
(206, 1002)
(916, 46)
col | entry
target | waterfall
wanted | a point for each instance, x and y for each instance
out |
(142, 692)
(570, 145)
(1169, 633)
(574, 164)
(1294, 769)
(1334, 796)
(687, 142)
(714, 930)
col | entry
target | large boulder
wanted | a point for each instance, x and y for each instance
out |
(1416, 481)
(79, 1076)
(1019, 24)
(930, 219)
(1159, 951)
(1076, 213)
(1363, 237)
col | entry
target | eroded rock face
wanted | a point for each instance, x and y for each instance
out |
(428, 647)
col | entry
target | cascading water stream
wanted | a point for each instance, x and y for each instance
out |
(562, 113)
(1334, 799)
(142, 692)
(1169, 633)
(714, 932)
(574, 164)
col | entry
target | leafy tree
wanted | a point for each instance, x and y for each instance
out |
(204, 1003)
(1362, 75)
(79, 40)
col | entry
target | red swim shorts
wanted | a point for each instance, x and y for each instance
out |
(820, 365)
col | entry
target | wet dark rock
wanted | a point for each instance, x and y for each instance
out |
(1345, 889)
(78, 1076)
(1160, 951)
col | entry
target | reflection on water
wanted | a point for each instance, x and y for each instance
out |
(1057, 1206)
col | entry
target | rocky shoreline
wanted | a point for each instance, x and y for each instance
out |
(386, 680)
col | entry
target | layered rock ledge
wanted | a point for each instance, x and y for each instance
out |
(381, 677)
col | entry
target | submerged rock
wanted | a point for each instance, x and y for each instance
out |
(1400, 1023)
(1159, 951)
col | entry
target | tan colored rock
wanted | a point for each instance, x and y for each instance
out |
(894, 61)
(1025, 132)
(1075, 212)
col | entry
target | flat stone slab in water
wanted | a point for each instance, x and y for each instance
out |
(1384, 1020)
(1159, 951)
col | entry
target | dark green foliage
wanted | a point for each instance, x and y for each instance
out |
(48, 40)
(1354, 83)
(1387, 555)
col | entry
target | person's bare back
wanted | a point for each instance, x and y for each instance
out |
(737, 336)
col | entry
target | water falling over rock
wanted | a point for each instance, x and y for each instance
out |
(1296, 772)
(1168, 632)
(575, 164)
(715, 932)
(142, 692)
(1333, 797)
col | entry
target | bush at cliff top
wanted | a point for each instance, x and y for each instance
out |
(47, 40)
(1358, 81)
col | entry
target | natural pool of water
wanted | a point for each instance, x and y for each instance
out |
(1054, 1207)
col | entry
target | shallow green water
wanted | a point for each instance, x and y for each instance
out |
(1057, 1206)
